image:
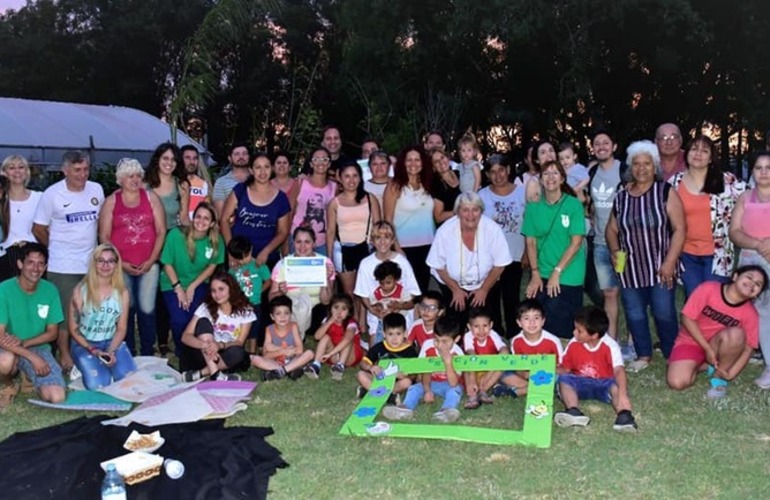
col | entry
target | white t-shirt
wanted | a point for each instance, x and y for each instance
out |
(22, 216)
(508, 212)
(72, 219)
(227, 327)
(468, 269)
(366, 284)
(378, 190)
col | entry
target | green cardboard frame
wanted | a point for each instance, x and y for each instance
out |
(537, 426)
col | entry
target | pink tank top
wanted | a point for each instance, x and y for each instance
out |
(755, 216)
(133, 229)
(311, 209)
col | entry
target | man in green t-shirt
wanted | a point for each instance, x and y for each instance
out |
(30, 313)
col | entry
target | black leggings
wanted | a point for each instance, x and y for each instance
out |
(235, 358)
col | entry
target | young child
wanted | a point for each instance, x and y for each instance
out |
(592, 368)
(720, 330)
(445, 383)
(388, 297)
(339, 342)
(431, 307)
(470, 168)
(577, 174)
(252, 279)
(283, 343)
(481, 339)
(394, 346)
(531, 340)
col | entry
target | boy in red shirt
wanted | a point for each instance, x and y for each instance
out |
(592, 368)
(430, 308)
(481, 339)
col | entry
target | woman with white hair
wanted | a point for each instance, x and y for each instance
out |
(133, 220)
(467, 257)
(647, 223)
(17, 209)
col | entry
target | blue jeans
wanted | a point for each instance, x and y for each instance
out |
(697, 269)
(661, 301)
(95, 373)
(178, 317)
(560, 310)
(142, 291)
(605, 273)
(450, 394)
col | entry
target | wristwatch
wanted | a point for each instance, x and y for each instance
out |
(557, 269)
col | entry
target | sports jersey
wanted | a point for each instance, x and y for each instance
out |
(599, 361)
(429, 351)
(490, 345)
(548, 343)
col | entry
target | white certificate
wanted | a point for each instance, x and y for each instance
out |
(305, 271)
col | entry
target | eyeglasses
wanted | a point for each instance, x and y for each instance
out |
(106, 262)
(669, 137)
(321, 160)
(429, 307)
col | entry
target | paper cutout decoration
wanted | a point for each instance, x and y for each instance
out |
(538, 406)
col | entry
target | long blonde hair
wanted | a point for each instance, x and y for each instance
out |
(213, 231)
(91, 298)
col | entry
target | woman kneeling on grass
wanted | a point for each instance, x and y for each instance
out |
(720, 329)
(215, 337)
(98, 319)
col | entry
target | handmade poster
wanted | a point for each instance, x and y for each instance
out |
(538, 408)
(305, 271)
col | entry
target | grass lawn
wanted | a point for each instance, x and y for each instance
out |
(686, 447)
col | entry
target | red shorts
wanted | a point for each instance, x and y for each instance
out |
(358, 354)
(687, 352)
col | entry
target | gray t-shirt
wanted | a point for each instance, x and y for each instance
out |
(604, 187)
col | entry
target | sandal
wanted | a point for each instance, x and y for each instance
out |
(472, 403)
(718, 389)
(484, 398)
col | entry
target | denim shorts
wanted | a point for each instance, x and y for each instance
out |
(589, 388)
(54, 376)
(605, 274)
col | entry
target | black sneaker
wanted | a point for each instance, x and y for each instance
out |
(338, 370)
(192, 375)
(360, 392)
(312, 370)
(273, 375)
(502, 390)
(295, 374)
(571, 417)
(625, 422)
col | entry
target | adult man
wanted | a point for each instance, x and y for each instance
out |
(197, 176)
(66, 221)
(239, 172)
(433, 140)
(368, 147)
(668, 138)
(30, 313)
(332, 141)
(604, 179)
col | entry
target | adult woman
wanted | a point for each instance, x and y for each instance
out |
(750, 230)
(260, 212)
(446, 186)
(647, 223)
(408, 205)
(132, 219)
(708, 197)
(504, 203)
(282, 178)
(539, 154)
(215, 336)
(17, 210)
(97, 321)
(350, 217)
(167, 177)
(720, 327)
(467, 258)
(312, 195)
(379, 164)
(189, 257)
(554, 227)
(308, 303)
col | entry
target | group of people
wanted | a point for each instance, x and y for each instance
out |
(409, 242)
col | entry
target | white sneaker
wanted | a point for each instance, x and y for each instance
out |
(763, 381)
(397, 413)
(447, 415)
(637, 366)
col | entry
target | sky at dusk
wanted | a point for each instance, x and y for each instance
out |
(11, 4)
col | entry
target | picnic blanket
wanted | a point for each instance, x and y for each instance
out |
(63, 461)
(86, 400)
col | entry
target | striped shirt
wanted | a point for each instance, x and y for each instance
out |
(644, 232)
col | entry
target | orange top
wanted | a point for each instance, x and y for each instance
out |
(699, 239)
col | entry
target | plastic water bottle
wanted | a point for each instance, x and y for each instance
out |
(113, 487)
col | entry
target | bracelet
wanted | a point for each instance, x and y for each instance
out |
(92, 349)
(178, 283)
(534, 269)
(557, 269)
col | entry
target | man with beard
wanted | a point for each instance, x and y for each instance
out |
(238, 172)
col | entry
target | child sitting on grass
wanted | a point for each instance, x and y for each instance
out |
(394, 346)
(339, 341)
(532, 340)
(481, 339)
(431, 307)
(283, 343)
(720, 330)
(445, 383)
(592, 368)
(388, 297)
(253, 280)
